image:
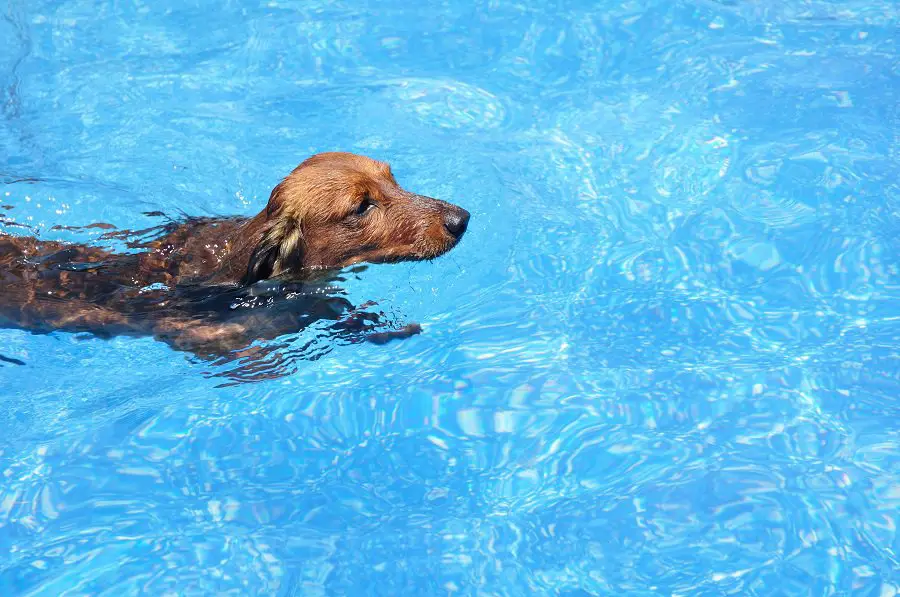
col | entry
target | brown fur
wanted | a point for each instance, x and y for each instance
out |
(332, 211)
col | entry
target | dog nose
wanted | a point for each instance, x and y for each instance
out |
(456, 221)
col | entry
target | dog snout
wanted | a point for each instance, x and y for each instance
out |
(456, 221)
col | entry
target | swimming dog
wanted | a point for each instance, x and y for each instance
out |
(195, 283)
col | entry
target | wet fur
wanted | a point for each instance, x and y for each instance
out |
(181, 285)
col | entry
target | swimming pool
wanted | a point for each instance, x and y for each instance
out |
(664, 360)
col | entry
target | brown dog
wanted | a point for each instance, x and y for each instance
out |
(198, 285)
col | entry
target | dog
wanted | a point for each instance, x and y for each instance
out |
(216, 286)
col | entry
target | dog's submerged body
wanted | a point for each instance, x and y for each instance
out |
(194, 283)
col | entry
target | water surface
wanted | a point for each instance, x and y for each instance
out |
(664, 359)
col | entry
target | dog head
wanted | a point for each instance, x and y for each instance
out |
(337, 209)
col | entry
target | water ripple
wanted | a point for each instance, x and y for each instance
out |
(446, 103)
(661, 362)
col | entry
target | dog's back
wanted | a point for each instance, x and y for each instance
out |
(47, 285)
(162, 289)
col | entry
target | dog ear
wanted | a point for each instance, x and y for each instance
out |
(275, 199)
(262, 262)
(280, 250)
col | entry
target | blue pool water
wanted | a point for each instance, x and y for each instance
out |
(663, 361)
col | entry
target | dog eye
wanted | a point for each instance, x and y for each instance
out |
(365, 206)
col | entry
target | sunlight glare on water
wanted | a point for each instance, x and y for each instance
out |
(663, 360)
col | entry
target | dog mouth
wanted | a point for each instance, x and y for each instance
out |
(454, 228)
(442, 233)
(442, 237)
(418, 252)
